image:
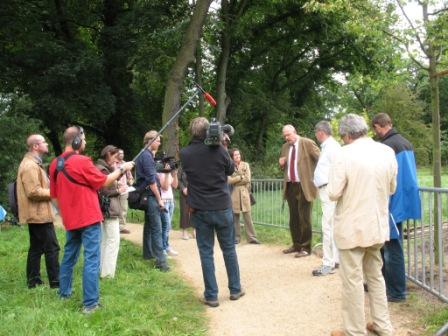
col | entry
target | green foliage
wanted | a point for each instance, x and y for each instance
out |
(14, 131)
(407, 115)
(140, 300)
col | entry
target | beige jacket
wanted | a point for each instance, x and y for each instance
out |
(306, 164)
(33, 192)
(240, 180)
(361, 180)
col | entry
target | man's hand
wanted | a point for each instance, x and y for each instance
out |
(282, 161)
(185, 191)
(128, 165)
(161, 205)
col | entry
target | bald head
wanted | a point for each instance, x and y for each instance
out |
(36, 144)
(70, 134)
(289, 134)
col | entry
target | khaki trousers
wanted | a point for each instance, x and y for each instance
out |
(248, 226)
(330, 252)
(110, 244)
(354, 263)
(124, 210)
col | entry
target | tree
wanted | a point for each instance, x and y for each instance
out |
(185, 57)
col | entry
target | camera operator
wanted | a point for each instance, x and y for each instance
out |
(147, 178)
(207, 168)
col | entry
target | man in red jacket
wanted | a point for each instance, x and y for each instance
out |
(74, 182)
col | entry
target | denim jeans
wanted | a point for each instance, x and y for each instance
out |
(393, 267)
(89, 237)
(166, 217)
(152, 234)
(206, 224)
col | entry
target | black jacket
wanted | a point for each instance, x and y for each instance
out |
(207, 168)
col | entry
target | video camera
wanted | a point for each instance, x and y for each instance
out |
(216, 133)
(161, 160)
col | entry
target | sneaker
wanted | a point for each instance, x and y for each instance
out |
(125, 231)
(323, 270)
(163, 268)
(236, 296)
(172, 252)
(254, 241)
(91, 309)
(211, 303)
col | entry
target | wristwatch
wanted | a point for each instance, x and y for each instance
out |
(121, 170)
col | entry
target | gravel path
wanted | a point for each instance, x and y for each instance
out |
(282, 298)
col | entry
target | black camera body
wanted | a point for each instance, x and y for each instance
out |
(162, 160)
(216, 133)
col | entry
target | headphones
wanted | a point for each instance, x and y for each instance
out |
(77, 140)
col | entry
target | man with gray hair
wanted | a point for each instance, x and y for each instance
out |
(361, 180)
(329, 150)
(207, 169)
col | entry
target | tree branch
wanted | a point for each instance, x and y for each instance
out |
(417, 36)
(406, 45)
(442, 73)
(437, 12)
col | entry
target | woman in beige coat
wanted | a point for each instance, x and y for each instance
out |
(240, 184)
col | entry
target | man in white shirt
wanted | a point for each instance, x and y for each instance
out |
(361, 180)
(329, 150)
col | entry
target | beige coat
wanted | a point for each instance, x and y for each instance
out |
(33, 192)
(240, 180)
(308, 155)
(361, 180)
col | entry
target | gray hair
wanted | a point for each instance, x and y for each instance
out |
(198, 127)
(323, 126)
(353, 125)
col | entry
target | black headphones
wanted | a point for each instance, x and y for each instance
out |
(77, 140)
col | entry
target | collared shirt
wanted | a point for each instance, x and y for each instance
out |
(330, 149)
(296, 171)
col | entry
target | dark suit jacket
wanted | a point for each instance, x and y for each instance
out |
(306, 164)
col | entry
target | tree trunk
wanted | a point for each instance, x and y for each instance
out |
(184, 58)
(221, 95)
(198, 74)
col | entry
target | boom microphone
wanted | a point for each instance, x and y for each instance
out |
(207, 96)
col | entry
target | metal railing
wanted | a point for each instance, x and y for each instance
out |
(425, 244)
(425, 241)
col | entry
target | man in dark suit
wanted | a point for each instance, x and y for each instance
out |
(298, 160)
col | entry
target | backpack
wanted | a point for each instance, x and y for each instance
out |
(12, 199)
(103, 200)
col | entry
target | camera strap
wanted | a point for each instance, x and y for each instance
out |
(60, 167)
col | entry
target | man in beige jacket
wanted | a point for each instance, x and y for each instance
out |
(361, 180)
(33, 197)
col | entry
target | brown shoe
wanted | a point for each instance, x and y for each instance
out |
(291, 249)
(370, 327)
(301, 254)
(125, 231)
(337, 333)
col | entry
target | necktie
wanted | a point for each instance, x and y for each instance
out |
(292, 165)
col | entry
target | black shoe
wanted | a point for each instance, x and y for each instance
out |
(34, 283)
(366, 288)
(254, 241)
(237, 241)
(211, 303)
(392, 299)
(54, 284)
(163, 268)
(236, 296)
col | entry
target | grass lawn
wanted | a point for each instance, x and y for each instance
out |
(139, 301)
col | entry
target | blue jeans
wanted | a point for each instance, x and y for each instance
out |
(393, 267)
(89, 237)
(152, 234)
(166, 217)
(206, 224)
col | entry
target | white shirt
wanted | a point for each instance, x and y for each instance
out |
(296, 171)
(329, 150)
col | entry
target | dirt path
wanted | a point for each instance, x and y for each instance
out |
(282, 298)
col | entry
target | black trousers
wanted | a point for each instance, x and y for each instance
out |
(299, 217)
(42, 241)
